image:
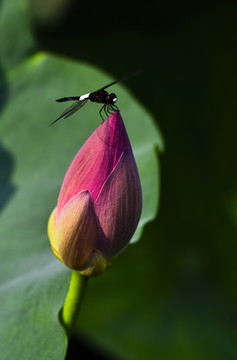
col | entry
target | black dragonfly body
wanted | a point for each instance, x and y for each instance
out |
(100, 96)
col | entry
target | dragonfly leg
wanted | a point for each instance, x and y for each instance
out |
(106, 110)
(113, 107)
(109, 109)
(100, 112)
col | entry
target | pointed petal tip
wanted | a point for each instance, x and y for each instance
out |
(115, 116)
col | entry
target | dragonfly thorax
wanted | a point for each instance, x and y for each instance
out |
(103, 97)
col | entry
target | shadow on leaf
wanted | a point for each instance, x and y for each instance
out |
(6, 188)
(82, 347)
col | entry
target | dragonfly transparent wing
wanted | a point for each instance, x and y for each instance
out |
(122, 79)
(70, 110)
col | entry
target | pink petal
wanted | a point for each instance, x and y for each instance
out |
(95, 160)
(119, 205)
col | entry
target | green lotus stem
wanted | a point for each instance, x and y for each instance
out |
(70, 311)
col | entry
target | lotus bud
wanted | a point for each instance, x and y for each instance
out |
(100, 201)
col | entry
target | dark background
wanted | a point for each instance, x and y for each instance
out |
(191, 91)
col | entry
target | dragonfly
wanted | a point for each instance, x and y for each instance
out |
(100, 96)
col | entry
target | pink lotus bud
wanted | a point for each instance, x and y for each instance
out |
(100, 201)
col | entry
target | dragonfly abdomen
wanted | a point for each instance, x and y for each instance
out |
(68, 98)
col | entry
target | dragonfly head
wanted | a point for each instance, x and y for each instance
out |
(112, 98)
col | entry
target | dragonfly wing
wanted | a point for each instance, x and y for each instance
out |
(123, 78)
(70, 110)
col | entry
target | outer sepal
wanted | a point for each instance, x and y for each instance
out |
(75, 235)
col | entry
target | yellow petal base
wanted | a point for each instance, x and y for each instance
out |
(52, 233)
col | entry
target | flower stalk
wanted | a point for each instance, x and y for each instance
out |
(74, 298)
